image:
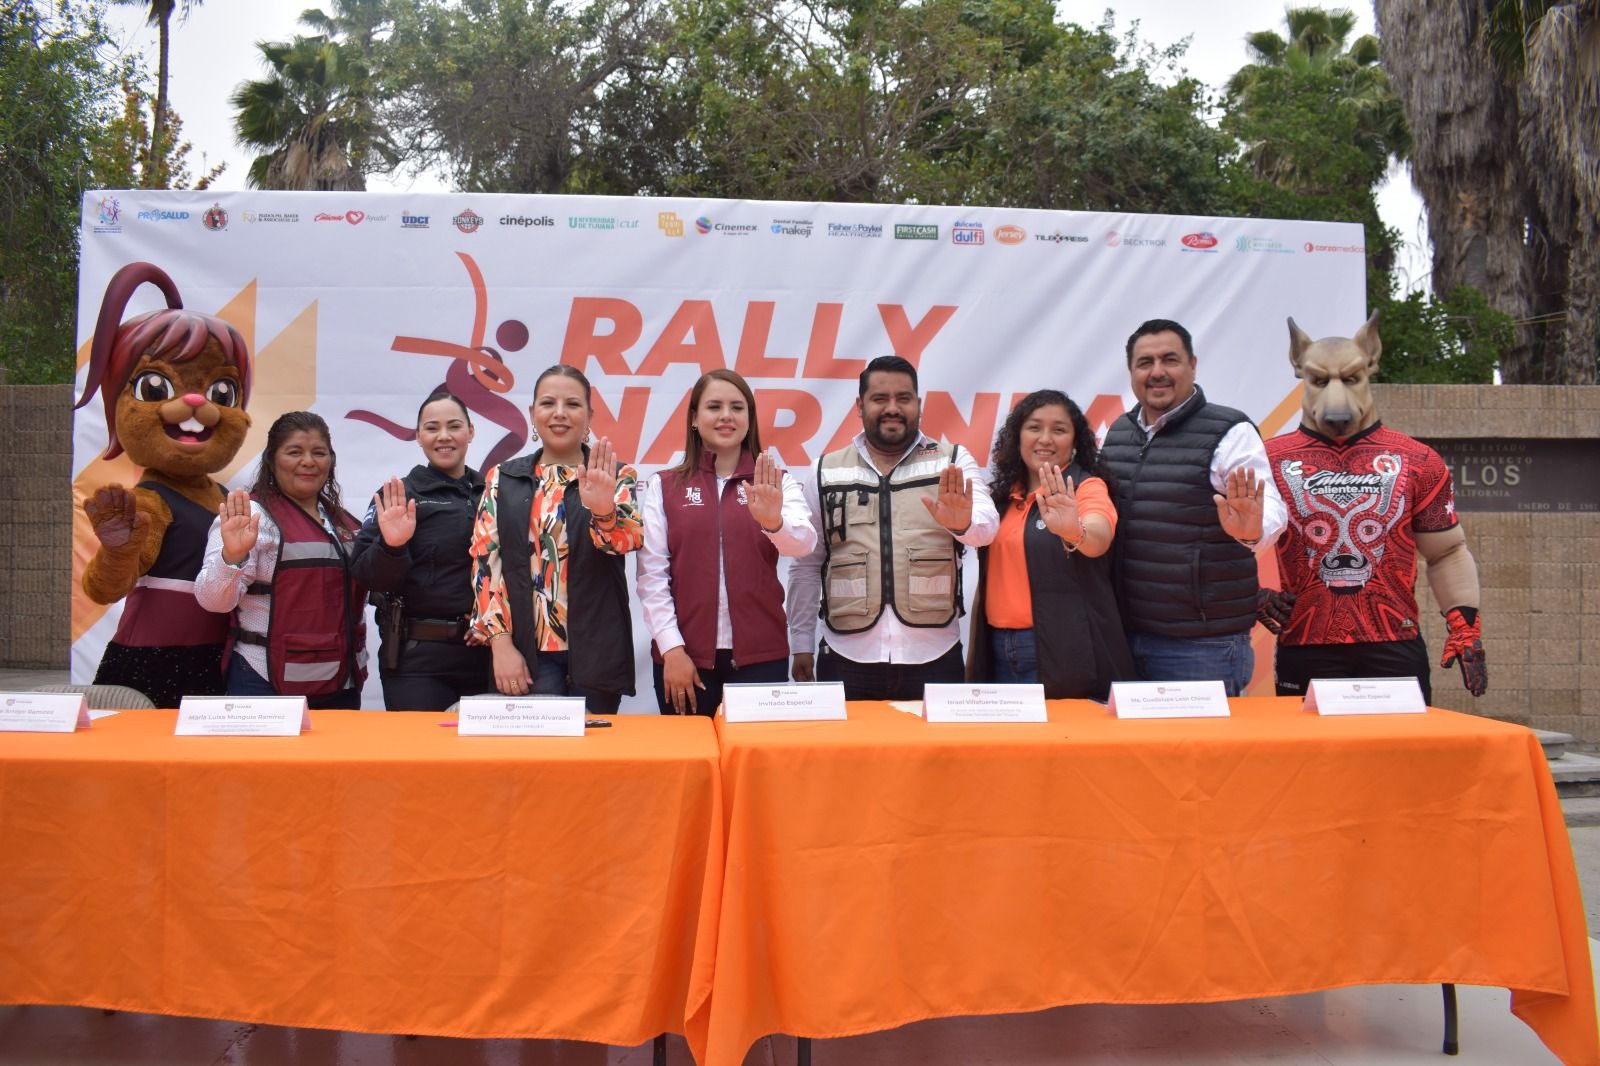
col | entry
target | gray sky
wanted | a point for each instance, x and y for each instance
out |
(214, 50)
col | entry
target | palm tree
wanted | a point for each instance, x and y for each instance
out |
(313, 117)
(161, 12)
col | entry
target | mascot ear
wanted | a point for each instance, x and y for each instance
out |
(1298, 343)
(1368, 341)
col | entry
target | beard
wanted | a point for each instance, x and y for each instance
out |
(893, 436)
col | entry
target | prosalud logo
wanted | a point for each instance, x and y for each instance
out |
(915, 231)
(468, 221)
(967, 234)
(163, 216)
(214, 218)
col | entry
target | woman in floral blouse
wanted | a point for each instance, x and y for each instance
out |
(550, 590)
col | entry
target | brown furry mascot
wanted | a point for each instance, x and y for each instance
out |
(1364, 502)
(175, 384)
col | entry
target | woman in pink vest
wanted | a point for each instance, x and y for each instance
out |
(278, 557)
(727, 509)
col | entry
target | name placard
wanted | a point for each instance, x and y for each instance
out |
(242, 716)
(983, 703)
(805, 701)
(1169, 699)
(43, 712)
(502, 716)
(1365, 695)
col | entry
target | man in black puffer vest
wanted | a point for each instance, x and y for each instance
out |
(1195, 502)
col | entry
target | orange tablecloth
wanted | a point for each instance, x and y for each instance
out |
(378, 874)
(884, 870)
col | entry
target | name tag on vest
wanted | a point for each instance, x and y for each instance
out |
(805, 701)
(1365, 695)
(983, 703)
(242, 716)
(1169, 699)
(43, 712)
(499, 716)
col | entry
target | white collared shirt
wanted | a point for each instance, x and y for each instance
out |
(889, 640)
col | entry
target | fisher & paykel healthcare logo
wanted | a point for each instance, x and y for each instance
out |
(915, 231)
(791, 227)
(866, 230)
(966, 233)
(468, 221)
(669, 223)
(1262, 244)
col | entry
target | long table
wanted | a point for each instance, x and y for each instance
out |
(377, 874)
(884, 870)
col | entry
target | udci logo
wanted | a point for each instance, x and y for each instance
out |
(1010, 234)
(468, 221)
(410, 221)
(915, 231)
(523, 221)
(669, 223)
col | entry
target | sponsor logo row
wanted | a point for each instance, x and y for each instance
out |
(962, 233)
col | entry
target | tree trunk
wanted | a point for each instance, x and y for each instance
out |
(156, 166)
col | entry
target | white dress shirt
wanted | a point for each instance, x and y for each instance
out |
(796, 536)
(1241, 448)
(889, 640)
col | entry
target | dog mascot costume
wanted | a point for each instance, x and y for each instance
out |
(175, 384)
(1363, 502)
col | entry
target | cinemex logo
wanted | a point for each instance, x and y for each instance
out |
(163, 216)
(915, 231)
(870, 230)
(705, 227)
(669, 223)
(1262, 244)
(468, 221)
(410, 221)
(1199, 242)
(1010, 234)
(526, 220)
(1062, 238)
(791, 227)
(967, 233)
(214, 218)
(1351, 249)
(591, 222)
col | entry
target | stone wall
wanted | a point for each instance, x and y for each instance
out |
(1540, 572)
(35, 525)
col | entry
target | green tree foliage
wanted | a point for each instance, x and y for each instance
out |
(1457, 341)
(314, 117)
(121, 153)
(159, 139)
(55, 96)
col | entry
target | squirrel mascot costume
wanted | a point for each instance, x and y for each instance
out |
(1365, 501)
(175, 385)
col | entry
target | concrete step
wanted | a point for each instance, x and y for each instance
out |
(1582, 811)
(1553, 743)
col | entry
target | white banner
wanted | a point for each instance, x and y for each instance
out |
(358, 305)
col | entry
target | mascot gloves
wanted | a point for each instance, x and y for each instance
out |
(1465, 643)
(1273, 609)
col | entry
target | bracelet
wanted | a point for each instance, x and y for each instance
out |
(1083, 535)
(606, 519)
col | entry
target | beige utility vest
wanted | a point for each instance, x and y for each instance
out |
(884, 548)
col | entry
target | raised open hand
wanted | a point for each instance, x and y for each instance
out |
(1058, 505)
(597, 481)
(953, 508)
(397, 516)
(240, 527)
(115, 517)
(1239, 511)
(764, 495)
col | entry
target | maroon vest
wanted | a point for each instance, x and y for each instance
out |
(700, 528)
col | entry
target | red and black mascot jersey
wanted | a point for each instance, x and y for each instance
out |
(1350, 551)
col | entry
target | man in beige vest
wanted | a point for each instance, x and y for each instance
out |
(892, 511)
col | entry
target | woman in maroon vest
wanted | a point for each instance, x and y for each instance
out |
(726, 509)
(278, 556)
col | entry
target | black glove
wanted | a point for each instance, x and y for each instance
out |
(1273, 609)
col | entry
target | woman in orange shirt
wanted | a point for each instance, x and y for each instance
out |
(1046, 611)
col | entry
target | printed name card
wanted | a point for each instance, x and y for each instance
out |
(806, 701)
(539, 716)
(983, 703)
(1365, 695)
(1169, 699)
(242, 716)
(43, 712)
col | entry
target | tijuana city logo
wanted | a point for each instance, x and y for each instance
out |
(163, 216)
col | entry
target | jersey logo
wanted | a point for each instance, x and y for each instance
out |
(1345, 517)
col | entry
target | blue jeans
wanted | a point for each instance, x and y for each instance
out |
(1227, 658)
(1015, 660)
(550, 679)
